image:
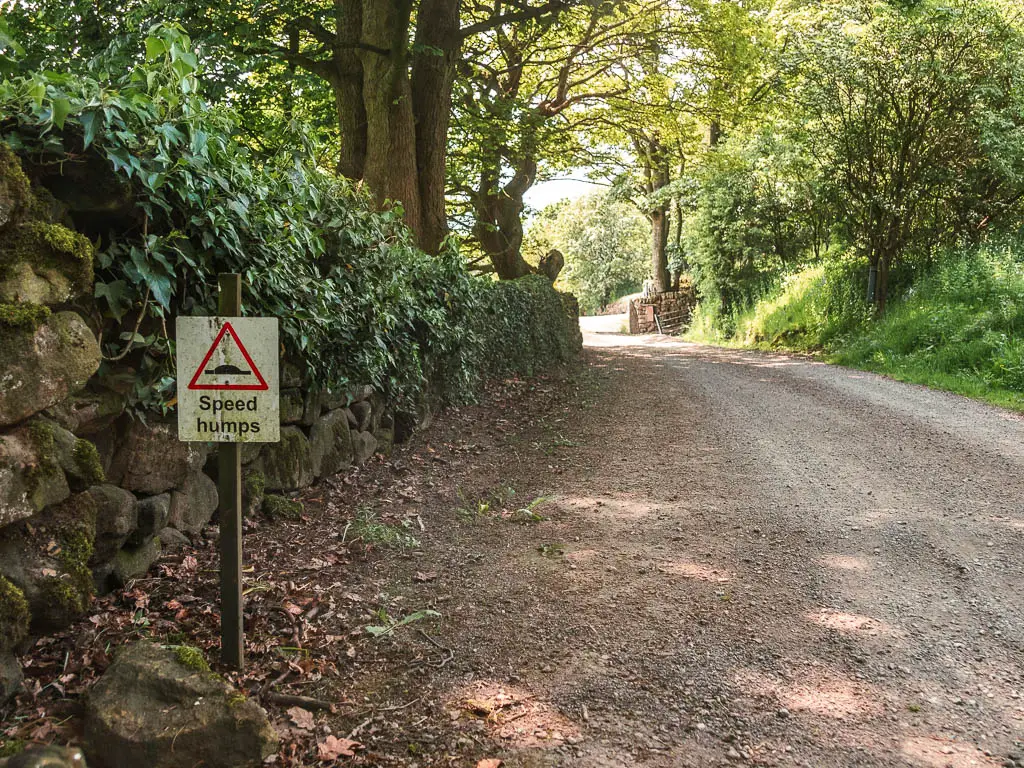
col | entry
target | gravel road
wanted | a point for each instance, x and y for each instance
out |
(745, 559)
(750, 559)
(792, 563)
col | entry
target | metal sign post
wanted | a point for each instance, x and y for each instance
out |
(228, 392)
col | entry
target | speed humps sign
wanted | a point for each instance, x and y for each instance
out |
(228, 379)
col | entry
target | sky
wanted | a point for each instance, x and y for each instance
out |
(547, 192)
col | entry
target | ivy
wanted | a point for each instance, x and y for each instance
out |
(358, 302)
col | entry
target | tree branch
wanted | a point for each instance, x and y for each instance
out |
(552, 6)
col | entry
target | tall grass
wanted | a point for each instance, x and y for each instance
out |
(959, 327)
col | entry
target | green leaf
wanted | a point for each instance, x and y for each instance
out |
(155, 48)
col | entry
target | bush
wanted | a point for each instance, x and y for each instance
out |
(959, 327)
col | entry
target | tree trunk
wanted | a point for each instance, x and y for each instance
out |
(432, 79)
(659, 249)
(882, 293)
(346, 78)
(499, 223)
(391, 170)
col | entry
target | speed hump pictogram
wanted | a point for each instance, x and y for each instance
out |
(229, 368)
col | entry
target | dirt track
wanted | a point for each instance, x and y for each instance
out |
(748, 559)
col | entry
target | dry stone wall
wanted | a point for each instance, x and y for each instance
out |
(91, 494)
(662, 312)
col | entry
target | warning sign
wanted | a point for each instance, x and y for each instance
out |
(228, 379)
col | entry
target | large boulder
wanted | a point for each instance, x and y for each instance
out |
(288, 465)
(117, 515)
(364, 445)
(41, 363)
(193, 506)
(163, 708)
(331, 441)
(152, 460)
(48, 558)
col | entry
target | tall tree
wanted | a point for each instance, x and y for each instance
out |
(522, 107)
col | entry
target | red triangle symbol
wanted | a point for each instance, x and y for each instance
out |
(253, 370)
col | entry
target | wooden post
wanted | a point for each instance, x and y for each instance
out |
(229, 464)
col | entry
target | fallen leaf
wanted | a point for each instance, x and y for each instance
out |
(302, 718)
(293, 609)
(491, 762)
(423, 576)
(332, 748)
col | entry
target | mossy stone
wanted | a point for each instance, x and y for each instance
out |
(14, 615)
(44, 263)
(23, 315)
(30, 475)
(40, 366)
(15, 190)
(331, 439)
(117, 515)
(277, 507)
(191, 657)
(288, 464)
(129, 564)
(48, 562)
(254, 488)
(192, 506)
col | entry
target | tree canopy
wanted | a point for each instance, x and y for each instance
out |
(752, 136)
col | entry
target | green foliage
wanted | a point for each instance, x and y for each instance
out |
(371, 531)
(524, 326)
(606, 245)
(751, 218)
(959, 327)
(191, 657)
(358, 302)
(913, 117)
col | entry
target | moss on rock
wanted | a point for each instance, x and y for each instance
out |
(15, 191)
(14, 615)
(45, 481)
(87, 460)
(23, 315)
(254, 487)
(191, 657)
(275, 506)
(14, 746)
